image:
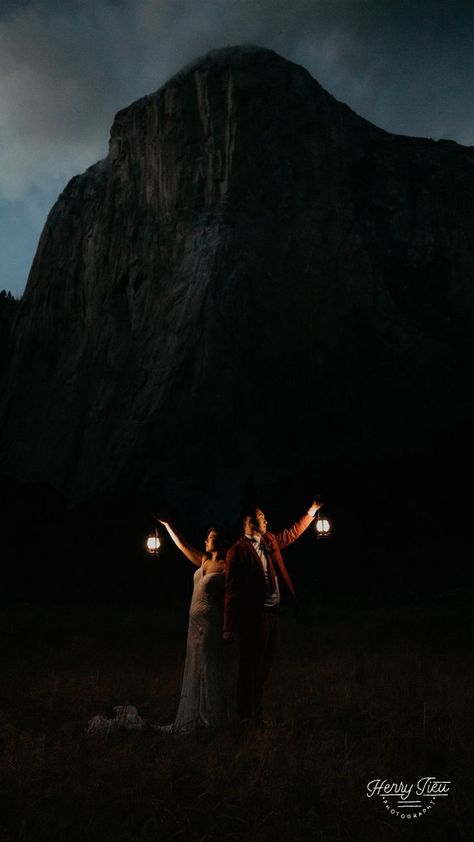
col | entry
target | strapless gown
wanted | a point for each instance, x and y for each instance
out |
(203, 700)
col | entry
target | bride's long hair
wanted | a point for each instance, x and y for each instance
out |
(221, 541)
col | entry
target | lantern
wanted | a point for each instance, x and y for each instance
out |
(153, 543)
(323, 526)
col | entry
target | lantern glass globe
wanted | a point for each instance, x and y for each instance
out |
(323, 526)
(153, 544)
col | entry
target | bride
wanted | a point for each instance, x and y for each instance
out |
(203, 695)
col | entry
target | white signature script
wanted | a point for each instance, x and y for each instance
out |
(428, 786)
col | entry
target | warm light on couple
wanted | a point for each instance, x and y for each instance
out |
(236, 597)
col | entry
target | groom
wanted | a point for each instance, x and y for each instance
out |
(254, 571)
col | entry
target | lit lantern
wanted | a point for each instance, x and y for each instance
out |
(323, 526)
(153, 543)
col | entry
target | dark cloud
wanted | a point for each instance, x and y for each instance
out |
(67, 67)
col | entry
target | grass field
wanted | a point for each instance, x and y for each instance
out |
(356, 694)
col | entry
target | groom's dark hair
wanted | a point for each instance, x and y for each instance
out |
(250, 510)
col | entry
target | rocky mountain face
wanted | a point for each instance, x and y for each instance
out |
(8, 310)
(254, 280)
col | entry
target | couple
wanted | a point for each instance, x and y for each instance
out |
(236, 597)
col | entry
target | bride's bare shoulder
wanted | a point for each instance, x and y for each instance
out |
(213, 565)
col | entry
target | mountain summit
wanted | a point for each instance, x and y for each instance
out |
(254, 279)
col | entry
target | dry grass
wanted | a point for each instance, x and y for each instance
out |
(355, 695)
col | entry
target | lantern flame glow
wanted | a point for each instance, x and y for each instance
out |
(153, 543)
(323, 527)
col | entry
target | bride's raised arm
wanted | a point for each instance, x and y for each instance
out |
(189, 551)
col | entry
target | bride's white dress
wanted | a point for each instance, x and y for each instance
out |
(203, 693)
(203, 700)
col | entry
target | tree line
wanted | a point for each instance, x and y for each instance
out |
(7, 296)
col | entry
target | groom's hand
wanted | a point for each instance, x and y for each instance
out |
(228, 637)
(315, 506)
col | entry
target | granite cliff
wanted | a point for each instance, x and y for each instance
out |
(255, 279)
(8, 310)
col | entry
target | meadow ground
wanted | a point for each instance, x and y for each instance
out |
(357, 693)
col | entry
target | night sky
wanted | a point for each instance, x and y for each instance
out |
(67, 66)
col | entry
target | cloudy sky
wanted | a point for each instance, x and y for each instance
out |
(67, 66)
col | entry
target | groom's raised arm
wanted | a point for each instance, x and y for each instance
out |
(287, 536)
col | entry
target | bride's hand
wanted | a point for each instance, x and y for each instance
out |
(160, 519)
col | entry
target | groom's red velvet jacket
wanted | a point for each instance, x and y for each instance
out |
(245, 580)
